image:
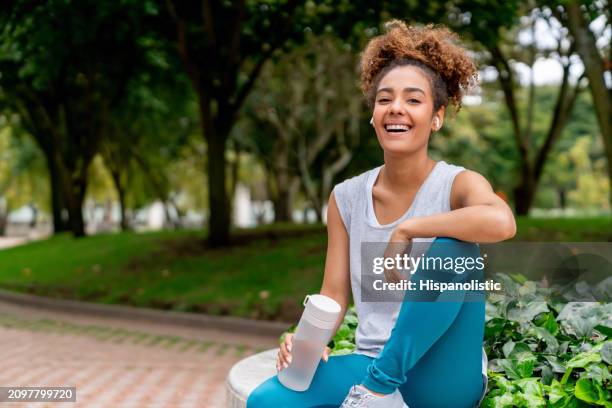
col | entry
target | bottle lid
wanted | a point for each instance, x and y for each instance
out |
(322, 307)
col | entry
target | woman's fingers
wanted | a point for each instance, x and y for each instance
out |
(326, 354)
(284, 353)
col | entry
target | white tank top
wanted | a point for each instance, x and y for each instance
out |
(354, 200)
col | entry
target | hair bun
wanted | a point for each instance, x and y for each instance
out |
(395, 24)
(437, 47)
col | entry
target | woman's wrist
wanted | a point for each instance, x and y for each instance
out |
(404, 232)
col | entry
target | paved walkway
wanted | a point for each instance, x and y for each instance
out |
(116, 362)
(6, 242)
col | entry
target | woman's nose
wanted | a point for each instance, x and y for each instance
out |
(397, 106)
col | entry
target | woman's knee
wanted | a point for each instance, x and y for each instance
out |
(267, 394)
(453, 246)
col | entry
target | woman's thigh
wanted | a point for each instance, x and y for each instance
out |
(329, 387)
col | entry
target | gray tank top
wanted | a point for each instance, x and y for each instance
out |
(354, 200)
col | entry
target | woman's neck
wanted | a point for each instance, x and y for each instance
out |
(405, 173)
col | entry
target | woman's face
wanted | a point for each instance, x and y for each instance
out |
(403, 107)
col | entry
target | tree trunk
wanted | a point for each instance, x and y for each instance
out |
(123, 222)
(216, 131)
(116, 176)
(219, 220)
(3, 220)
(58, 208)
(234, 173)
(75, 207)
(281, 207)
(524, 194)
(562, 199)
(286, 186)
(34, 219)
(594, 69)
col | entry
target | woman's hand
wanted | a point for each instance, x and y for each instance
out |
(284, 354)
(399, 244)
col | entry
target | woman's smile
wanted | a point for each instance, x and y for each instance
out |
(402, 115)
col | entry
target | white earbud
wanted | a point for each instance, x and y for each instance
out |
(436, 123)
(372, 120)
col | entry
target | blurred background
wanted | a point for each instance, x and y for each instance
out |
(180, 155)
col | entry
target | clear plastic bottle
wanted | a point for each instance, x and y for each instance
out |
(311, 336)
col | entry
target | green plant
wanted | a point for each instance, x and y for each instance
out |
(543, 350)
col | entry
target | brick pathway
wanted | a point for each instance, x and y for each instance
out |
(118, 363)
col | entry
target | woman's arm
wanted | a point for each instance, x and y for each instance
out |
(336, 280)
(478, 215)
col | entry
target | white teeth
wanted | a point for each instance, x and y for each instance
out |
(397, 127)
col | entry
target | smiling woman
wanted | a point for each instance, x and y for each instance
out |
(407, 353)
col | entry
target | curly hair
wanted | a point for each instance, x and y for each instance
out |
(435, 50)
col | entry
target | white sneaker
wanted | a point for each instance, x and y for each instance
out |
(360, 397)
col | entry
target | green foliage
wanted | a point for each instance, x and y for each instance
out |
(544, 352)
(541, 352)
(23, 177)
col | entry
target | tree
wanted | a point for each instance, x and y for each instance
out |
(577, 17)
(22, 177)
(223, 47)
(146, 131)
(503, 52)
(64, 66)
(307, 122)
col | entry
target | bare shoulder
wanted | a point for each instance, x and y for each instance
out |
(471, 188)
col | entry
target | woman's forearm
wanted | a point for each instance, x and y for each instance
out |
(477, 223)
(343, 301)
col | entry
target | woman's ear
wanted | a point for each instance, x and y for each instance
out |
(438, 119)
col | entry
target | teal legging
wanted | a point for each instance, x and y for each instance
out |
(433, 354)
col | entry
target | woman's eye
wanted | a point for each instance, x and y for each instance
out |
(381, 100)
(414, 101)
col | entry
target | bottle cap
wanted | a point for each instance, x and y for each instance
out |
(322, 307)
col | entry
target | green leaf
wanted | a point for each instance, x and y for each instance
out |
(586, 391)
(605, 330)
(350, 319)
(597, 372)
(556, 364)
(582, 359)
(566, 402)
(341, 352)
(344, 331)
(546, 374)
(592, 393)
(548, 321)
(503, 384)
(509, 368)
(519, 278)
(531, 386)
(494, 327)
(519, 365)
(556, 391)
(503, 401)
(528, 312)
(507, 348)
(344, 344)
(520, 348)
(525, 363)
(551, 342)
(606, 352)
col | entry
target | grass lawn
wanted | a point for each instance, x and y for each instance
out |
(265, 275)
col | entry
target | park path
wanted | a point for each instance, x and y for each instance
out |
(115, 362)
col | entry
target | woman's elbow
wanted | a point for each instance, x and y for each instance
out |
(506, 227)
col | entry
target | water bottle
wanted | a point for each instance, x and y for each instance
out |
(310, 339)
